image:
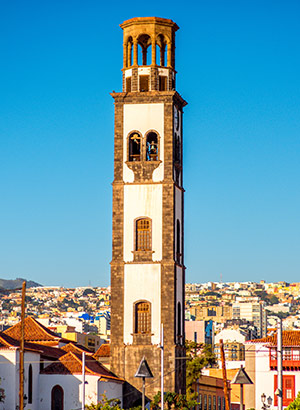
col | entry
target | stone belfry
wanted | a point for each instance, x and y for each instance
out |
(147, 267)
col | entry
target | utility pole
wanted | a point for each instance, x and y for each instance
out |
(162, 366)
(227, 407)
(21, 352)
(83, 381)
(279, 363)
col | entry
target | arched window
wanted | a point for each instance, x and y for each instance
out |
(162, 51)
(134, 147)
(143, 235)
(152, 147)
(142, 317)
(179, 319)
(57, 398)
(178, 241)
(30, 384)
(144, 50)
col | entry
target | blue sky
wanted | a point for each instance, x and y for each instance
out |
(238, 67)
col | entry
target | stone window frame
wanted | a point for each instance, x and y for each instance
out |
(141, 145)
(135, 321)
(158, 145)
(135, 236)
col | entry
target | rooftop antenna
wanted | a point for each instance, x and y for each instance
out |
(221, 278)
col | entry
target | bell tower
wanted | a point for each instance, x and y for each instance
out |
(147, 267)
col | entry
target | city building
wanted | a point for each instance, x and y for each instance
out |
(200, 331)
(210, 393)
(261, 364)
(251, 309)
(52, 375)
(218, 314)
(147, 267)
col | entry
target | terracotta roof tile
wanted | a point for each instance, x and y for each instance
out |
(33, 331)
(77, 348)
(103, 351)
(289, 338)
(7, 341)
(71, 363)
(45, 351)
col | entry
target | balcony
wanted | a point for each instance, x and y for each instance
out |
(290, 359)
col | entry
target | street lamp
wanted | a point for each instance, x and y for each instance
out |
(263, 400)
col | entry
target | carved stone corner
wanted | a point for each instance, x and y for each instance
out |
(143, 170)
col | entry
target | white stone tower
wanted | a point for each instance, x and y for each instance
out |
(147, 268)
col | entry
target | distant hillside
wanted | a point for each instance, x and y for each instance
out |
(17, 283)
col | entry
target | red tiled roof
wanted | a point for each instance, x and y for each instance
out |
(7, 341)
(103, 351)
(33, 332)
(289, 338)
(45, 351)
(71, 363)
(77, 348)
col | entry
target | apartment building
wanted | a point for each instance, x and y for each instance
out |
(251, 309)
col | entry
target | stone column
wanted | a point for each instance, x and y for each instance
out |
(153, 42)
(125, 60)
(162, 54)
(129, 48)
(169, 51)
(135, 52)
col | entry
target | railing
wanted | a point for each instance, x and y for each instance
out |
(289, 359)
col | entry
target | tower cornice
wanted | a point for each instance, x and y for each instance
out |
(142, 20)
(149, 97)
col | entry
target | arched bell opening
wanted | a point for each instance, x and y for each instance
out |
(161, 53)
(144, 50)
(129, 50)
(134, 147)
(152, 146)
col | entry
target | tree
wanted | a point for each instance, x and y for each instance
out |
(172, 401)
(105, 404)
(199, 356)
(295, 405)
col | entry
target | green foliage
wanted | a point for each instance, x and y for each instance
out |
(105, 404)
(2, 394)
(199, 355)
(268, 298)
(212, 293)
(295, 405)
(172, 401)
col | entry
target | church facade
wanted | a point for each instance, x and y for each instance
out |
(147, 267)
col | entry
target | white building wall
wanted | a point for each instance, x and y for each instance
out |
(142, 282)
(32, 359)
(8, 378)
(264, 377)
(230, 335)
(72, 387)
(111, 390)
(142, 201)
(143, 118)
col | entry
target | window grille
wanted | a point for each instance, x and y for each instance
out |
(143, 235)
(142, 317)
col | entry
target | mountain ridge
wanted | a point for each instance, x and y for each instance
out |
(10, 284)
